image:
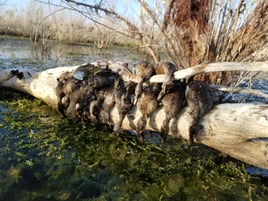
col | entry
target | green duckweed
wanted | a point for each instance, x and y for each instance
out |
(45, 157)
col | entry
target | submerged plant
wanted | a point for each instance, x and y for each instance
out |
(48, 158)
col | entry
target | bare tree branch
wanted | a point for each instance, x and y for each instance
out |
(215, 67)
(134, 31)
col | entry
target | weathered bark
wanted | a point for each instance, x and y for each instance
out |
(38, 84)
(239, 130)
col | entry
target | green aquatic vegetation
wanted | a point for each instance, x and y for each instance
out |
(45, 157)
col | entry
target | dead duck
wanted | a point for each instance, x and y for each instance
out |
(75, 91)
(69, 89)
(100, 108)
(94, 79)
(106, 102)
(172, 102)
(124, 100)
(168, 69)
(200, 99)
(146, 96)
(66, 85)
(171, 96)
(94, 75)
(147, 104)
(85, 71)
(143, 70)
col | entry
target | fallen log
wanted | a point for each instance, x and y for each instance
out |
(239, 130)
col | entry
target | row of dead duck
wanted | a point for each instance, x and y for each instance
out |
(90, 92)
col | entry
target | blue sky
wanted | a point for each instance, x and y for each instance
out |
(127, 8)
(121, 5)
(15, 3)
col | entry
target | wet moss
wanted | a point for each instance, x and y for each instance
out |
(44, 157)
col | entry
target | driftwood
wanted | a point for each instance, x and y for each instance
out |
(239, 130)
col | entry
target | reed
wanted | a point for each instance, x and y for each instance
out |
(228, 31)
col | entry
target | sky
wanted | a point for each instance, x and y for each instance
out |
(125, 7)
(9, 4)
(121, 5)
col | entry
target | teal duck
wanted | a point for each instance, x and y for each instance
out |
(66, 86)
(143, 70)
(172, 102)
(147, 104)
(171, 96)
(124, 99)
(94, 80)
(104, 104)
(167, 69)
(146, 96)
(75, 91)
(200, 99)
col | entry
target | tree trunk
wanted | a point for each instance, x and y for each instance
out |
(239, 130)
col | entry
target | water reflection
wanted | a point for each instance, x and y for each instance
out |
(17, 52)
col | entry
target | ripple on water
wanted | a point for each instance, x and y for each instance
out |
(257, 171)
(3, 131)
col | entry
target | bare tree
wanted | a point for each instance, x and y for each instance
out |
(119, 23)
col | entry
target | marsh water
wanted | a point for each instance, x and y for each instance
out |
(44, 157)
